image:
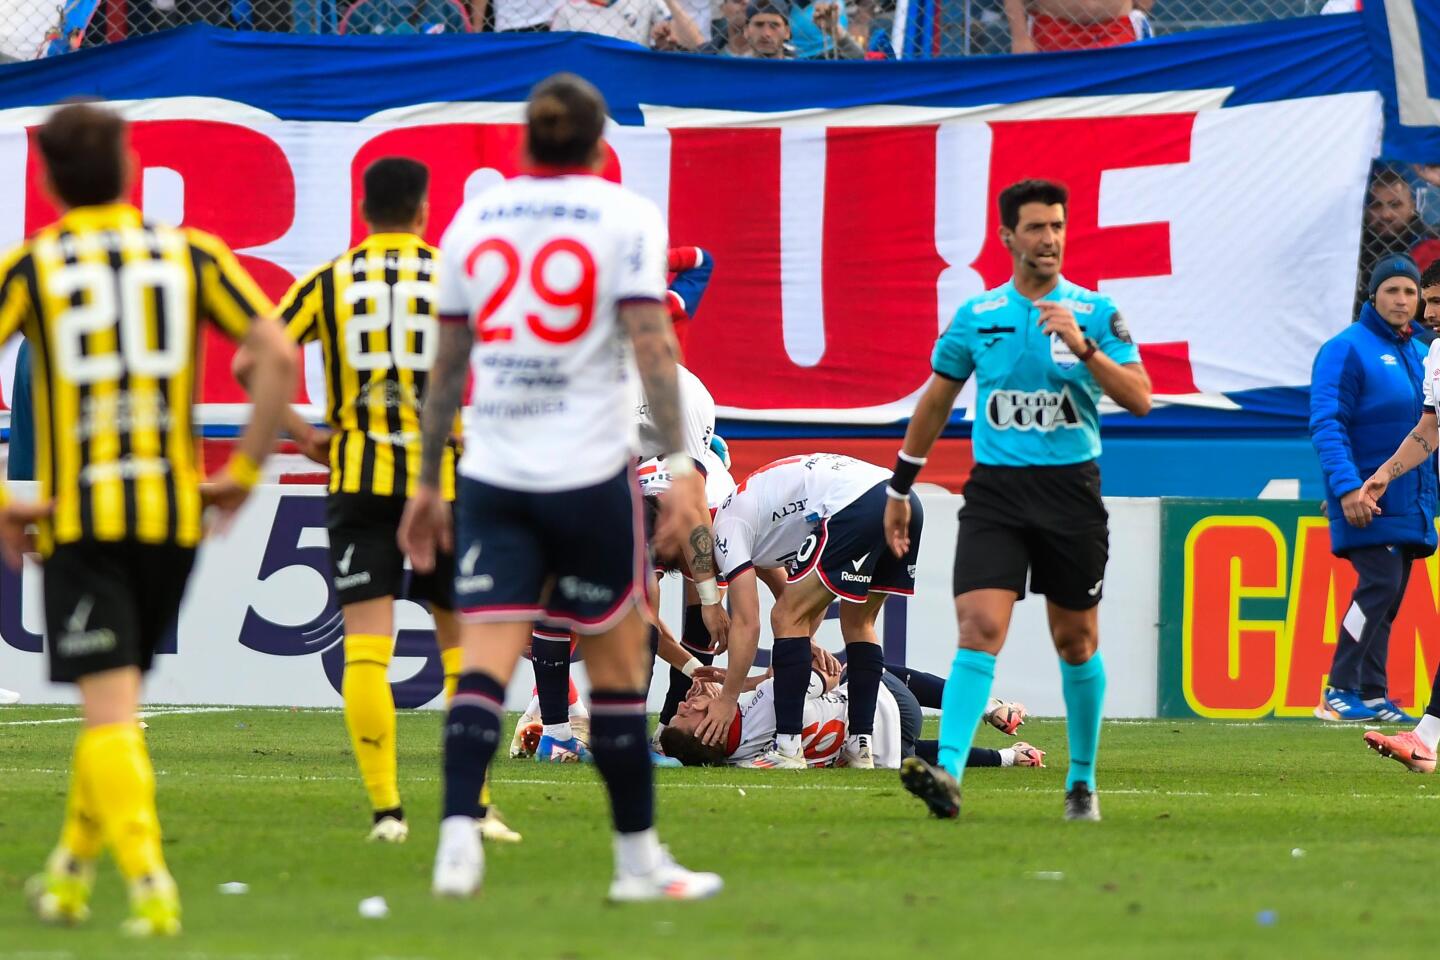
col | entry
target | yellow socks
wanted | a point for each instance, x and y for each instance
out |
(370, 716)
(81, 837)
(450, 661)
(114, 774)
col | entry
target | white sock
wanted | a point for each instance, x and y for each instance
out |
(637, 853)
(1007, 757)
(1429, 730)
(577, 709)
(457, 831)
(559, 731)
(788, 744)
(532, 709)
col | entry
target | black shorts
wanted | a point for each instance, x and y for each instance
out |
(574, 558)
(1047, 522)
(850, 553)
(365, 559)
(110, 605)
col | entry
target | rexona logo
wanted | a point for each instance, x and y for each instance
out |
(1024, 410)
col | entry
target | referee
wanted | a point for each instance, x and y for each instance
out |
(1043, 350)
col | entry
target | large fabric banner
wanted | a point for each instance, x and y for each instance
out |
(1217, 182)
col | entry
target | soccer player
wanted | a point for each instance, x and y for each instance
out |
(372, 309)
(112, 306)
(898, 720)
(1042, 350)
(553, 285)
(1415, 748)
(820, 517)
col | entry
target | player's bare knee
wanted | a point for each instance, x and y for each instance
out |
(981, 631)
(1076, 643)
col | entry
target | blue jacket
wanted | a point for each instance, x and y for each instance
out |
(1366, 395)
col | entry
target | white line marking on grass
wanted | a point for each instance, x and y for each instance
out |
(143, 715)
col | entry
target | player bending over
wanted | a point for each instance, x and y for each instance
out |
(552, 284)
(113, 305)
(820, 517)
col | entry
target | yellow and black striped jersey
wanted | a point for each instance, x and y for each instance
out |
(112, 307)
(373, 311)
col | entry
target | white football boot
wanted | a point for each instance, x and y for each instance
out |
(459, 860)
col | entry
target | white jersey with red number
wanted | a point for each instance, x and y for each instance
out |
(766, 520)
(697, 420)
(655, 479)
(540, 266)
(826, 725)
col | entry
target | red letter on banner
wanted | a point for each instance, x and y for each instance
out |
(452, 151)
(238, 186)
(877, 261)
(1077, 153)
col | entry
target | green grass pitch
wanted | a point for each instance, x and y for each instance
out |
(1220, 840)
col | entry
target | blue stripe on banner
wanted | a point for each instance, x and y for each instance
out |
(312, 77)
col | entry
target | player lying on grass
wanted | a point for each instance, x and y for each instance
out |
(897, 722)
(821, 517)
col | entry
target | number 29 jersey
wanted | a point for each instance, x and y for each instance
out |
(540, 266)
(112, 307)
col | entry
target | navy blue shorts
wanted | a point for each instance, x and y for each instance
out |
(574, 558)
(850, 554)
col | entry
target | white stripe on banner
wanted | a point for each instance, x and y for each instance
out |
(1417, 107)
(896, 115)
(802, 208)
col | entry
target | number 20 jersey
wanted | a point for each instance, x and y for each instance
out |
(112, 306)
(540, 266)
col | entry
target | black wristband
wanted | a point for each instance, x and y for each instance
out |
(907, 468)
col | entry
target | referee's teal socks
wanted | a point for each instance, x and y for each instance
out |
(967, 691)
(1084, 687)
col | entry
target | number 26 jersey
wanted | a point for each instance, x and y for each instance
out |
(540, 267)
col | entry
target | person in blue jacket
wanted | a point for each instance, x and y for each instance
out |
(1366, 395)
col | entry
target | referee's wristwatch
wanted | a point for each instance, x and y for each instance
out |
(1090, 348)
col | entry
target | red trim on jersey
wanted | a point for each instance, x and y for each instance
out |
(732, 739)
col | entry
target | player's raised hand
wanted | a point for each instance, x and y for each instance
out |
(16, 536)
(1058, 320)
(715, 728)
(425, 528)
(897, 525)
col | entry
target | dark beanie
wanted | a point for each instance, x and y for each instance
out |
(1397, 265)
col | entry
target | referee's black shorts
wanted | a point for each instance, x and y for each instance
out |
(1047, 522)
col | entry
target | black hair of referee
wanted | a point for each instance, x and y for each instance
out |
(565, 120)
(395, 193)
(87, 156)
(1015, 196)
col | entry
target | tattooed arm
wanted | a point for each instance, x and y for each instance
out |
(1413, 451)
(654, 341)
(444, 390)
(425, 527)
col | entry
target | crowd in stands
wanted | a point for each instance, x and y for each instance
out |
(787, 29)
(1402, 215)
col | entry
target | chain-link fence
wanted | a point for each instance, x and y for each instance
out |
(804, 29)
(1402, 215)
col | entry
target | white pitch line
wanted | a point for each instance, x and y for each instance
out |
(143, 715)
